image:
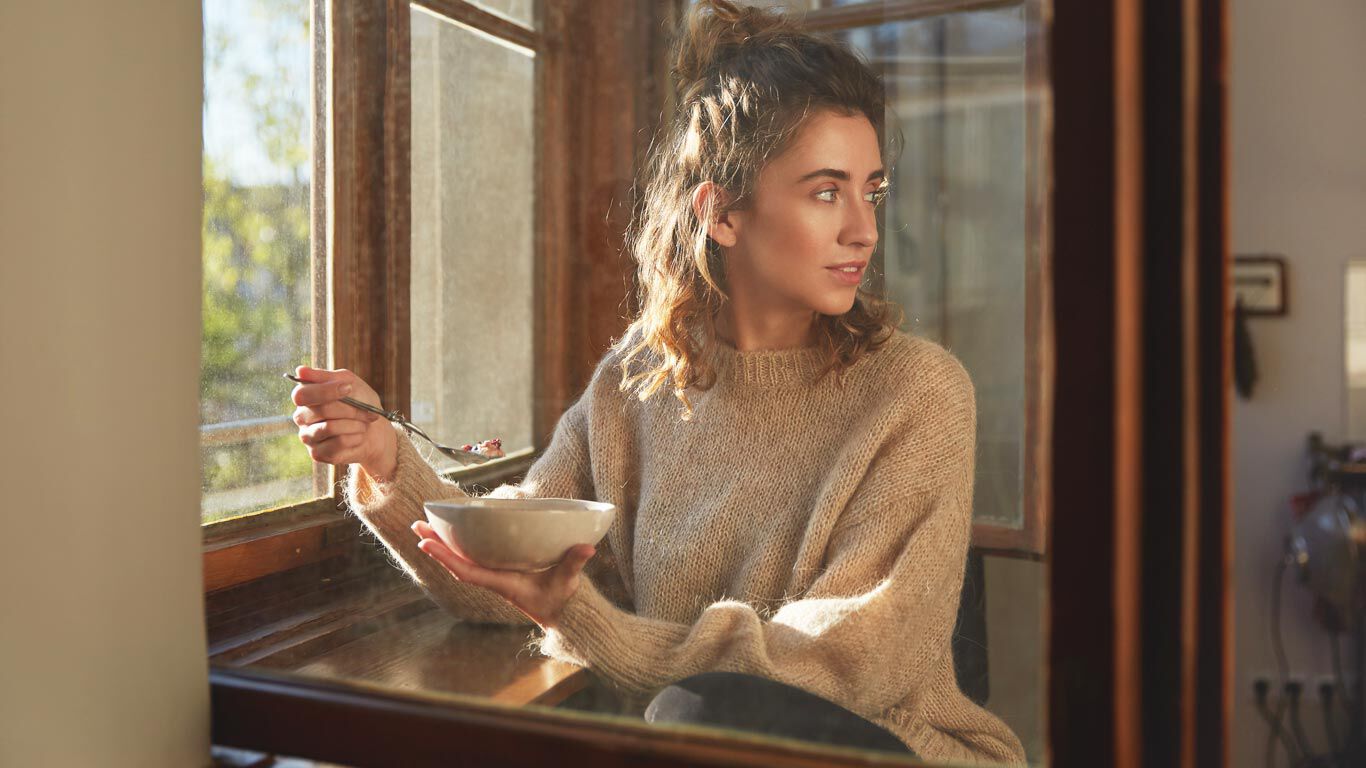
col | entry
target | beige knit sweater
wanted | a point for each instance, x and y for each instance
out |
(793, 529)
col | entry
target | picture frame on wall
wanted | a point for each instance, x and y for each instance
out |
(1259, 284)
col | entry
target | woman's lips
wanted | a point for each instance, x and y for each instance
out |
(847, 278)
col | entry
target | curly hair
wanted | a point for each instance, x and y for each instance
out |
(746, 81)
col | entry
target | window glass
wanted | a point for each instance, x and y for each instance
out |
(956, 240)
(473, 227)
(257, 302)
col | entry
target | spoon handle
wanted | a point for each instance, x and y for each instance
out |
(409, 427)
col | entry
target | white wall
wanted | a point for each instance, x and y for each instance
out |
(1298, 175)
(102, 652)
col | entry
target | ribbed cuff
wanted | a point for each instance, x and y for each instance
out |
(414, 479)
(584, 630)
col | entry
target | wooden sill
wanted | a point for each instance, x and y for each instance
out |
(494, 472)
(1017, 543)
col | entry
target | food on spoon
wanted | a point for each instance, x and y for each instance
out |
(493, 448)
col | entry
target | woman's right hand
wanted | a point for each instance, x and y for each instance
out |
(337, 433)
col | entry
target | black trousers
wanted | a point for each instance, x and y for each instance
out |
(751, 703)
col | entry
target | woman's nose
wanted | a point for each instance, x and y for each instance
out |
(860, 226)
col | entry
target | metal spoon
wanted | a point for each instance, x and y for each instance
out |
(464, 457)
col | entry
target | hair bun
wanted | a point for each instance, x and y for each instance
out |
(716, 28)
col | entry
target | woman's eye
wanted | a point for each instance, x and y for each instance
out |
(875, 197)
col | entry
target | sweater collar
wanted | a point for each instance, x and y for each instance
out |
(798, 365)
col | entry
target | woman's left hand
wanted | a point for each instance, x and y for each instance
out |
(541, 596)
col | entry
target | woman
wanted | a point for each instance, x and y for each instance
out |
(793, 522)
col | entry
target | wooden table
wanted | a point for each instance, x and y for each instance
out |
(380, 628)
(434, 652)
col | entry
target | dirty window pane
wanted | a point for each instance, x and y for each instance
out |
(257, 301)
(473, 154)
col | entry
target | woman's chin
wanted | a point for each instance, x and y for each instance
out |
(837, 308)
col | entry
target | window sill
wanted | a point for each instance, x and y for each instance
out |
(494, 472)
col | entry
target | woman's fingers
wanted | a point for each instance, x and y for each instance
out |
(325, 430)
(576, 558)
(426, 531)
(312, 375)
(509, 584)
(343, 449)
(320, 393)
(306, 414)
(335, 432)
(504, 584)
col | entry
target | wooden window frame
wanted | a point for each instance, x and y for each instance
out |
(361, 231)
(1138, 638)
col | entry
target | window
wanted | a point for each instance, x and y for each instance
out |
(473, 233)
(322, 238)
(258, 302)
(962, 236)
(961, 244)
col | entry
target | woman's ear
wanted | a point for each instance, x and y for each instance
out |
(722, 225)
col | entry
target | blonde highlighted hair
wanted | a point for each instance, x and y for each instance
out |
(746, 80)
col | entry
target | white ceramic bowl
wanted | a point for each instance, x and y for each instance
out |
(518, 534)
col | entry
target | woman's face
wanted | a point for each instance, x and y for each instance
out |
(812, 212)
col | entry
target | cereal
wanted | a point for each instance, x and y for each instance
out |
(492, 448)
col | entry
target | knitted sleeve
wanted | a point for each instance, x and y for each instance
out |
(388, 510)
(871, 629)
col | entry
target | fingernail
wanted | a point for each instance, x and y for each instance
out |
(346, 389)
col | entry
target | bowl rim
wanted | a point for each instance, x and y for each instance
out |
(528, 505)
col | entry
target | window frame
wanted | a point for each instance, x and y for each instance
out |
(361, 265)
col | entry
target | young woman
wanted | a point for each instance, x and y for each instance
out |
(794, 510)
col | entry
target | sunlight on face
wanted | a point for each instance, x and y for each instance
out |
(813, 209)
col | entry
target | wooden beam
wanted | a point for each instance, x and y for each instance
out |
(1214, 665)
(370, 204)
(472, 15)
(1142, 337)
(1093, 651)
